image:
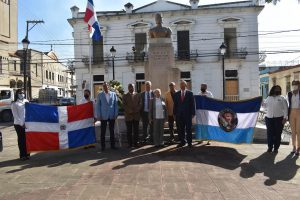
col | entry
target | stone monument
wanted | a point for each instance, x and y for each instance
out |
(160, 68)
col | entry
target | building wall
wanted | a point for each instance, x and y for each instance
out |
(284, 78)
(8, 42)
(205, 24)
(8, 25)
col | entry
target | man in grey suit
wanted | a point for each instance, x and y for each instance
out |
(146, 98)
(132, 104)
(107, 112)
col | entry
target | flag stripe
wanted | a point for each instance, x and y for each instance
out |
(82, 137)
(81, 124)
(63, 133)
(237, 136)
(41, 127)
(75, 112)
(36, 141)
(245, 120)
(41, 113)
(205, 103)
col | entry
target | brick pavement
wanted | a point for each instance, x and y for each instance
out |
(218, 171)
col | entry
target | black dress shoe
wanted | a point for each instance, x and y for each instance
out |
(275, 151)
(180, 145)
(269, 150)
(190, 145)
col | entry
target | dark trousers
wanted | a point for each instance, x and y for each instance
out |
(111, 123)
(21, 140)
(145, 120)
(171, 126)
(274, 130)
(184, 125)
(132, 125)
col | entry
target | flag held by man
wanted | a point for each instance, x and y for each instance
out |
(51, 128)
(232, 122)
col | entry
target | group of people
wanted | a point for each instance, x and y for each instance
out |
(175, 107)
(279, 111)
(153, 110)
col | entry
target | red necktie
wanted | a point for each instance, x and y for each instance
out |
(182, 95)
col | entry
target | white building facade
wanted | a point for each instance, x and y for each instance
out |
(197, 33)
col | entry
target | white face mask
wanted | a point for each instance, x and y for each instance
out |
(21, 96)
(295, 87)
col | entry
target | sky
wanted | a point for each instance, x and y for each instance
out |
(283, 16)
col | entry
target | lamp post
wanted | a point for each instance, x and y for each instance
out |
(223, 51)
(113, 54)
(25, 43)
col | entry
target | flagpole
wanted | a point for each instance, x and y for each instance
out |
(90, 68)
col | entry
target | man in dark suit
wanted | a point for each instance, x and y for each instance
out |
(184, 111)
(146, 98)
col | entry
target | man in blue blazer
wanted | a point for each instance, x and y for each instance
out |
(184, 111)
(107, 112)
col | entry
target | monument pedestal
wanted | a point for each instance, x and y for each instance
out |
(160, 68)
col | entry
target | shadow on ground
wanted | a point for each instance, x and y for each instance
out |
(223, 157)
(284, 170)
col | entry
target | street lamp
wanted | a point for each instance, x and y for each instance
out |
(113, 54)
(25, 43)
(223, 51)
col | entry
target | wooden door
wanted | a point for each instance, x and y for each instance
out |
(232, 87)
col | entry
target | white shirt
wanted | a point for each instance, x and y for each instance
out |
(18, 110)
(107, 96)
(159, 111)
(295, 101)
(276, 107)
(206, 93)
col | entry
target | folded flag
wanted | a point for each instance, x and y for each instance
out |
(232, 122)
(55, 128)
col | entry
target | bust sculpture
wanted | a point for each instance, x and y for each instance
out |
(159, 31)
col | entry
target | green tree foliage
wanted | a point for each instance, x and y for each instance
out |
(117, 87)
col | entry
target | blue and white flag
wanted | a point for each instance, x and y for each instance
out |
(223, 121)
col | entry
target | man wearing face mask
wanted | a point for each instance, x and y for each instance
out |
(18, 111)
(294, 116)
(87, 99)
(205, 92)
(277, 114)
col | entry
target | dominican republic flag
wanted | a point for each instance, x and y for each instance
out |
(51, 128)
(91, 18)
(223, 121)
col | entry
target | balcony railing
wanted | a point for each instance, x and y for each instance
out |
(186, 55)
(232, 98)
(235, 53)
(132, 57)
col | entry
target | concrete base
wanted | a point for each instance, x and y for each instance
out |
(160, 69)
